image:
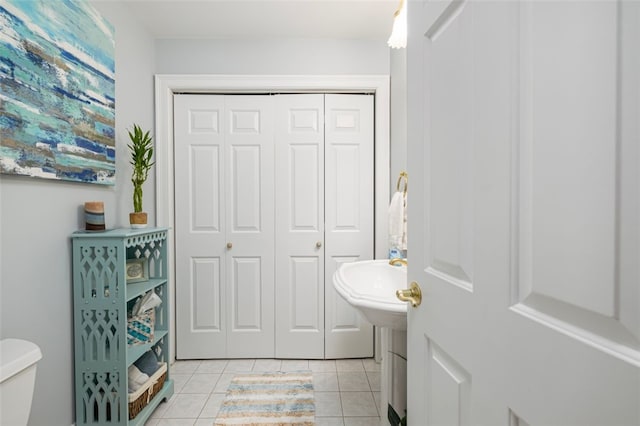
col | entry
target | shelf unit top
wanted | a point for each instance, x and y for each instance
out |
(116, 233)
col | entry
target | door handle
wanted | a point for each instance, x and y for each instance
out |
(229, 246)
(412, 294)
(319, 244)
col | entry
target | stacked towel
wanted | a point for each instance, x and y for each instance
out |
(147, 363)
(136, 379)
(398, 221)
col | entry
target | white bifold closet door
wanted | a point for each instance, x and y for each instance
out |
(258, 235)
(324, 217)
(224, 195)
(348, 215)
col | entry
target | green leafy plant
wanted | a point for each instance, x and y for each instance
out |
(141, 148)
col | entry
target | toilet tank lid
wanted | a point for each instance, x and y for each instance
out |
(16, 355)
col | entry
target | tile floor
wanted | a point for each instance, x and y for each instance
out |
(347, 392)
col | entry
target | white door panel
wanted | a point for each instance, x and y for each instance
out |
(206, 280)
(523, 152)
(449, 391)
(250, 226)
(300, 226)
(224, 226)
(348, 215)
(569, 219)
(200, 226)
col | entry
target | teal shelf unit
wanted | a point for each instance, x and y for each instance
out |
(102, 298)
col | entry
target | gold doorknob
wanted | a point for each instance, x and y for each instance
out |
(319, 244)
(229, 245)
(411, 294)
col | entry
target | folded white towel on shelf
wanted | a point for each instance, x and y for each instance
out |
(398, 220)
(136, 379)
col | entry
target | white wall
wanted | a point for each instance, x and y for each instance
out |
(276, 56)
(37, 217)
(398, 115)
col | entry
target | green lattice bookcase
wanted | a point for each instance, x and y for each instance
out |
(102, 299)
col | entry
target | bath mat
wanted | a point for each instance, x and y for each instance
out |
(267, 399)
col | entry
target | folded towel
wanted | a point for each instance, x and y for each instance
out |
(398, 220)
(136, 379)
(147, 363)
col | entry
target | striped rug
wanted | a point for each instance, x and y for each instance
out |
(267, 399)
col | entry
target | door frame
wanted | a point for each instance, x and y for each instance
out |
(166, 85)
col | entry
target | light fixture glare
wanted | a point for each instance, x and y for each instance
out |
(398, 38)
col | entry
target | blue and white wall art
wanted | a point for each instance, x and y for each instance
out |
(57, 91)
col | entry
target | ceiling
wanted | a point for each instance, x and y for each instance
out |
(246, 19)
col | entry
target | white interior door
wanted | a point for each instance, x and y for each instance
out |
(224, 155)
(250, 226)
(201, 292)
(228, 253)
(524, 221)
(348, 215)
(299, 172)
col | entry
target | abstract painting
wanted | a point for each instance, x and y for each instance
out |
(57, 91)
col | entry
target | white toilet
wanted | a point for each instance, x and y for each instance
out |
(18, 360)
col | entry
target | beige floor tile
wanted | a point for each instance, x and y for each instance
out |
(212, 366)
(223, 382)
(176, 422)
(374, 380)
(158, 413)
(378, 399)
(239, 365)
(347, 387)
(325, 382)
(370, 364)
(353, 381)
(186, 406)
(201, 383)
(349, 365)
(329, 421)
(295, 364)
(179, 381)
(185, 367)
(361, 421)
(212, 405)
(267, 365)
(358, 404)
(322, 366)
(328, 404)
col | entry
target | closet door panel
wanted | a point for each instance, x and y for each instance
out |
(349, 146)
(250, 226)
(206, 279)
(246, 212)
(305, 313)
(246, 294)
(205, 180)
(200, 226)
(299, 174)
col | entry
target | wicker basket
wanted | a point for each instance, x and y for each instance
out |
(140, 398)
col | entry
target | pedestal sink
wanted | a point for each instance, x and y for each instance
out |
(370, 287)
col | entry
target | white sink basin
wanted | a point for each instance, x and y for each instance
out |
(370, 287)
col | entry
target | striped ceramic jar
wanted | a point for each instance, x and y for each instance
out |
(94, 215)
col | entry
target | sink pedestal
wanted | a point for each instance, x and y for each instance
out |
(393, 390)
(370, 286)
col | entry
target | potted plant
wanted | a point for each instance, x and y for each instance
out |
(141, 148)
